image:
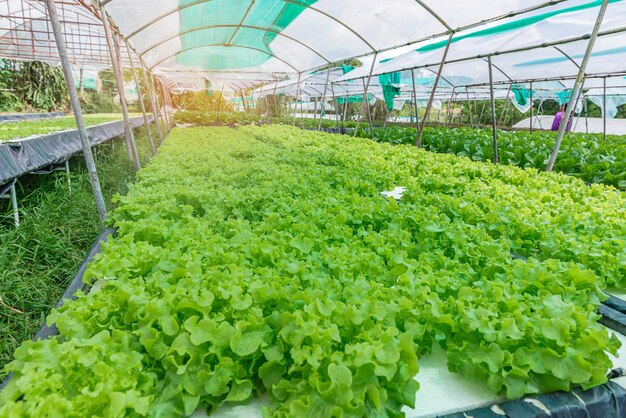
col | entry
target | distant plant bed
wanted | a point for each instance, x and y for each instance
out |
(199, 118)
(585, 156)
(17, 130)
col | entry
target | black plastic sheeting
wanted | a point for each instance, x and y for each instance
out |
(606, 401)
(616, 303)
(23, 156)
(76, 285)
(612, 319)
(21, 117)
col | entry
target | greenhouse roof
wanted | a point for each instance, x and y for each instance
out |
(240, 44)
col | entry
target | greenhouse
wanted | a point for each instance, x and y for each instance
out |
(313, 208)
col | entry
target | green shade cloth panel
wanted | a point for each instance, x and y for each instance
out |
(529, 21)
(389, 83)
(224, 46)
(354, 99)
(347, 68)
(522, 95)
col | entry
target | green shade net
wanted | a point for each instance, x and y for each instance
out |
(517, 24)
(522, 95)
(354, 99)
(564, 96)
(210, 38)
(347, 68)
(388, 83)
(89, 83)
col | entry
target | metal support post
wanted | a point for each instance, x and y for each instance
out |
(141, 103)
(604, 108)
(67, 174)
(494, 127)
(578, 85)
(586, 116)
(532, 105)
(219, 103)
(295, 107)
(506, 104)
(369, 116)
(170, 104)
(78, 114)
(335, 104)
(16, 212)
(365, 94)
(119, 77)
(159, 110)
(449, 108)
(322, 112)
(482, 112)
(418, 143)
(243, 102)
(469, 106)
(275, 100)
(417, 121)
(155, 110)
(166, 114)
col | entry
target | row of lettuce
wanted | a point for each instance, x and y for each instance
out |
(26, 129)
(585, 156)
(266, 260)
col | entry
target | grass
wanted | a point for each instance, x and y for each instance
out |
(39, 259)
(15, 130)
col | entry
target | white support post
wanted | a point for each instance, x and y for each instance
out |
(420, 133)
(369, 116)
(506, 104)
(469, 106)
(155, 109)
(531, 108)
(586, 116)
(275, 101)
(366, 92)
(322, 112)
(417, 121)
(67, 175)
(219, 103)
(604, 108)
(78, 114)
(160, 112)
(119, 77)
(142, 106)
(577, 85)
(335, 104)
(16, 212)
(494, 128)
(166, 114)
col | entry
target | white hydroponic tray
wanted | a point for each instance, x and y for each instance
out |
(441, 392)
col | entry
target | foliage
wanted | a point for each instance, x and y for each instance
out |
(265, 259)
(38, 259)
(239, 119)
(586, 156)
(202, 101)
(32, 86)
(94, 102)
(275, 104)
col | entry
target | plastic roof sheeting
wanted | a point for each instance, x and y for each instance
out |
(516, 44)
(239, 44)
(292, 36)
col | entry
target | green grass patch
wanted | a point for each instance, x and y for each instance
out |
(39, 259)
